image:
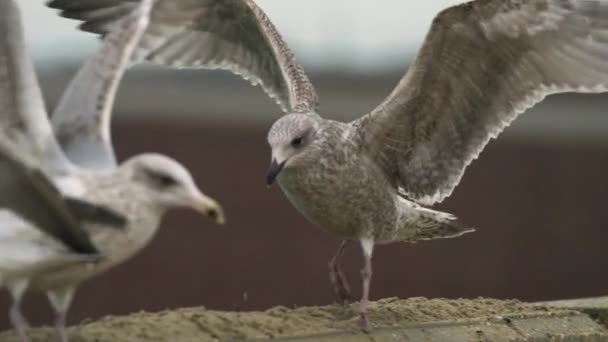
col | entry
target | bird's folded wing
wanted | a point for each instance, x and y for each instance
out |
(234, 35)
(482, 64)
(81, 120)
(29, 193)
(25, 250)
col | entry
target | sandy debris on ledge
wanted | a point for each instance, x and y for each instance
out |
(199, 324)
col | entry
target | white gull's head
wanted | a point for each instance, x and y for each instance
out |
(170, 185)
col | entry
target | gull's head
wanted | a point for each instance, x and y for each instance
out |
(169, 185)
(290, 139)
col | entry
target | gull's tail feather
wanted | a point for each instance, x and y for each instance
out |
(441, 229)
(419, 223)
(38, 259)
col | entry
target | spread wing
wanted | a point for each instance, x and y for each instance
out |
(29, 154)
(234, 35)
(22, 110)
(482, 64)
(82, 118)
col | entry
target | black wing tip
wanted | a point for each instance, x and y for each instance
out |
(52, 4)
(92, 213)
(71, 10)
(92, 27)
(59, 4)
(81, 246)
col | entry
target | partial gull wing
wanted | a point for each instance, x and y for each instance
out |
(82, 118)
(234, 35)
(22, 110)
(25, 250)
(28, 191)
(28, 152)
(482, 64)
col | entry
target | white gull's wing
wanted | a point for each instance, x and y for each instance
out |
(482, 64)
(23, 116)
(25, 250)
(30, 192)
(234, 35)
(82, 118)
(29, 154)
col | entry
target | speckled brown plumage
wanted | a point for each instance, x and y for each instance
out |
(481, 65)
(234, 35)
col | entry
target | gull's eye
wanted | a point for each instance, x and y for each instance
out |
(166, 181)
(296, 142)
(161, 179)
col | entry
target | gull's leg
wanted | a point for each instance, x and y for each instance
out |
(336, 276)
(17, 289)
(367, 246)
(60, 299)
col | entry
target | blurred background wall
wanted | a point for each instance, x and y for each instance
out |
(537, 196)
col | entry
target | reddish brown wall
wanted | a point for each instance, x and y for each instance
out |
(540, 212)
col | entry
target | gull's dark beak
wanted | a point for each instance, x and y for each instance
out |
(273, 171)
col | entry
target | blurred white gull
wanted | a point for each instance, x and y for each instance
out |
(73, 212)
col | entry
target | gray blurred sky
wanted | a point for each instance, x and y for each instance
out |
(351, 35)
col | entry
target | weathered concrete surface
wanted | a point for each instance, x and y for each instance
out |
(414, 319)
(596, 308)
(560, 327)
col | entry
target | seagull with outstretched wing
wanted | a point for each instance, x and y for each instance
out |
(482, 64)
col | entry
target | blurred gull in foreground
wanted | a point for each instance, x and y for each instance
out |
(73, 212)
(483, 63)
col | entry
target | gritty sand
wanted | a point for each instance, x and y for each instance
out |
(199, 324)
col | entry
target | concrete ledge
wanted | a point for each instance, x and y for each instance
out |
(564, 327)
(414, 319)
(596, 308)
